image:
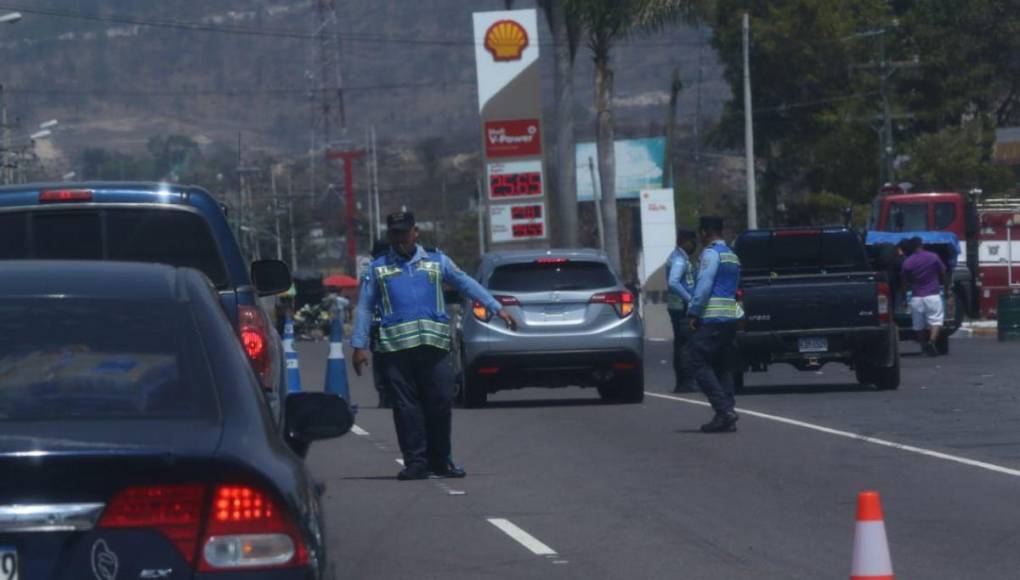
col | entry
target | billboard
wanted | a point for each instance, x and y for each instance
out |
(658, 231)
(639, 166)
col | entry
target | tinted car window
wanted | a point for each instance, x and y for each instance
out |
(804, 251)
(176, 238)
(907, 217)
(945, 214)
(100, 359)
(539, 277)
(67, 236)
(12, 236)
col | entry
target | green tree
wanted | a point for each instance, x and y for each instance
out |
(957, 159)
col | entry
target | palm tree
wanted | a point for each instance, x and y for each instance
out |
(605, 22)
(566, 38)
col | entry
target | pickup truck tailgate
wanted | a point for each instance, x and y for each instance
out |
(810, 302)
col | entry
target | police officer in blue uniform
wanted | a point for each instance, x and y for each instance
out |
(413, 343)
(713, 316)
(680, 279)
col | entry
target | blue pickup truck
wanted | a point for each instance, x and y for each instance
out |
(152, 222)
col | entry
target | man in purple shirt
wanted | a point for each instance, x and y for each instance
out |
(923, 274)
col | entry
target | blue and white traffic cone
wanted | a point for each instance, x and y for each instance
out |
(336, 367)
(291, 355)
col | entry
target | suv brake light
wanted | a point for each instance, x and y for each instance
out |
(551, 261)
(484, 314)
(254, 333)
(65, 196)
(623, 301)
(241, 527)
(884, 303)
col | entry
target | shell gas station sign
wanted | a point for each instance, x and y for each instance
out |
(510, 106)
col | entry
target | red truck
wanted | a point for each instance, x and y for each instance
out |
(989, 234)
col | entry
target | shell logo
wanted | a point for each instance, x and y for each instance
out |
(506, 40)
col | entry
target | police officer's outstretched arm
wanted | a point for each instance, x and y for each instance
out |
(467, 286)
(703, 289)
(367, 299)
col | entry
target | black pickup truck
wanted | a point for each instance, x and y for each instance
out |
(810, 297)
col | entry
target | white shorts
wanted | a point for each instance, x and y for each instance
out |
(926, 311)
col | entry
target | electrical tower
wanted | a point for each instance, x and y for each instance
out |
(326, 93)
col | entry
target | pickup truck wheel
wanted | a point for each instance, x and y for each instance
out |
(942, 343)
(473, 393)
(887, 378)
(629, 388)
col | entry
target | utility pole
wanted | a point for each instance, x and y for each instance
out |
(290, 220)
(886, 70)
(752, 198)
(276, 214)
(5, 148)
(667, 162)
(375, 187)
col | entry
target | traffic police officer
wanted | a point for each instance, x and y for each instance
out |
(414, 343)
(680, 278)
(713, 315)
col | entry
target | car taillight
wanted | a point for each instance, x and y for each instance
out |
(243, 527)
(65, 196)
(254, 335)
(175, 511)
(247, 529)
(623, 302)
(551, 261)
(884, 306)
(482, 313)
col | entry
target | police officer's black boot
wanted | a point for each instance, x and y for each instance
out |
(413, 472)
(450, 470)
(721, 423)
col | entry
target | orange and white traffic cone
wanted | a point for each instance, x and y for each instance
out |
(871, 547)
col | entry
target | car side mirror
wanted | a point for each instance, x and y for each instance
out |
(310, 417)
(270, 277)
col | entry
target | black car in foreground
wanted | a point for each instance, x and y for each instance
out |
(133, 442)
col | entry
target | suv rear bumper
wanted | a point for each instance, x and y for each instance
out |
(584, 368)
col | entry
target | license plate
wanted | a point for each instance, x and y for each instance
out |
(8, 564)
(813, 344)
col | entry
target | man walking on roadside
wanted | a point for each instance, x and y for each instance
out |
(414, 341)
(923, 275)
(712, 316)
(680, 278)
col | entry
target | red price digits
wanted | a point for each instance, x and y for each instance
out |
(527, 212)
(528, 230)
(515, 184)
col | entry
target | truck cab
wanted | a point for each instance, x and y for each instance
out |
(897, 211)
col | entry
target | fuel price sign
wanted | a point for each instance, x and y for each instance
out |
(515, 179)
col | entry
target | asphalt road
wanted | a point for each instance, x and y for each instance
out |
(563, 486)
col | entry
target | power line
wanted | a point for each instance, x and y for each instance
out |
(238, 92)
(257, 32)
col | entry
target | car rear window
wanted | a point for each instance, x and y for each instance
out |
(540, 276)
(174, 237)
(801, 251)
(87, 359)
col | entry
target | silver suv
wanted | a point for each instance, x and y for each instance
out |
(578, 326)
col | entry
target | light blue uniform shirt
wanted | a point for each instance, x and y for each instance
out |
(368, 300)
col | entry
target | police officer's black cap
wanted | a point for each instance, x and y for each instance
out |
(711, 223)
(401, 221)
(683, 235)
